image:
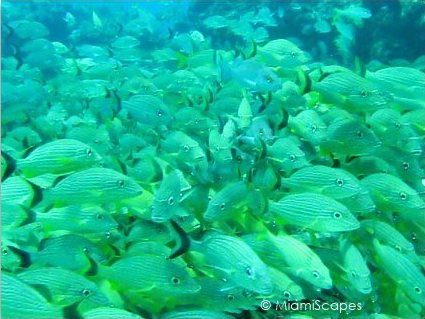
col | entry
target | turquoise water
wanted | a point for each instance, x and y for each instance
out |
(213, 159)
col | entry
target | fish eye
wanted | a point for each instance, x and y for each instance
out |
(353, 274)
(85, 292)
(363, 93)
(337, 215)
(99, 216)
(403, 196)
(313, 128)
(261, 131)
(398, 248)
(239, 158)
(286, 294)
(86, 250)
(209, 198)
(121, 183)
(359, 134)
(230, 297)
(89, 152)
(222, 206)
(418, 290)
(413, 236)
(292, 157)
(186, 148)
(406, 165)
(108, 235)
(269, 79)
(175, 280)
(397, 124)
(249, 271)
(96, 141)
(182, 218)
(293, 54)
(171, 200)
(339, 182)
(5, 251)
(316, 274)
(159, 113)
(395, 217)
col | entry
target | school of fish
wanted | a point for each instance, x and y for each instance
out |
(149, 173)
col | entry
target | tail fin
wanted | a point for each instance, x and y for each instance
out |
(11, 165)
(182, 240)
(304, 82)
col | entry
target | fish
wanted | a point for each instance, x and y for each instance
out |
(333, 182)
(282, 53)
(168, 197)
(148, 110)
(109, 312)
(64, 287)
(58, 157)
(195, 313)
(226, 201)
(356, 268)
(125, 42)
(388, 235)
(251, 75)
(350, 137)
(284, 287)
(76, 219)
(94, 186)
(405, 274)
(17, 190)
(21, 300)
(147, 272)
(352, 92)
(314, 211)
(287, 155)
(308, 125)
(393, 195)
(220, 296)
(291, 255)
(68, 251)
(235, 261)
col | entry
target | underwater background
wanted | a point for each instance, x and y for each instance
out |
(212, 159)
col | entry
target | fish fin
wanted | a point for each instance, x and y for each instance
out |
(304, 82)
(25, 256)
(123, 167)
(284, 121)
(254, 50)
(11, 165)
(359, 67)
(45, 292)
(58, 180)
(94, 268)
(182, 240)
(71, 311)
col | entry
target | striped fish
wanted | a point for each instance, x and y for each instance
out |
(402, 271)
(58, 157)
(22, 301)
(93, 186)
(332, 182)
(148, 110)
(314, 211)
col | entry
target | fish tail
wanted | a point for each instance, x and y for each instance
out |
(11, 165)
(182, 240)
(304, 82)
